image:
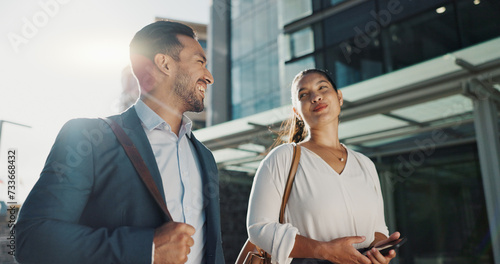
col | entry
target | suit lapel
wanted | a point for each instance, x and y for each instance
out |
(131, 123)
(210, 180)
(209, 170)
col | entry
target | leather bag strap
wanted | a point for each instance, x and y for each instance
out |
(289, 181)
(288, 190)
(139, 164)
(249, 246)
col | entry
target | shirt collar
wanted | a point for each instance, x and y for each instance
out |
(151, 120)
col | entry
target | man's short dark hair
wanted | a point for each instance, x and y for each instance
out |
(160, 37)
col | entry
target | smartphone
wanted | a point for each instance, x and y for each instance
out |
(385, 248)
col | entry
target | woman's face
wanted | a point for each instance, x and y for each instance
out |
(315, 100)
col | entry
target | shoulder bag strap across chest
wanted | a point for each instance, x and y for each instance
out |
(139, 164)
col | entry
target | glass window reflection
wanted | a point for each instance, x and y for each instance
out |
(294, 9)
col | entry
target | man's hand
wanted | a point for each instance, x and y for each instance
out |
(173, 243)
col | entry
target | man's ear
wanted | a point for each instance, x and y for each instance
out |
(164, 63)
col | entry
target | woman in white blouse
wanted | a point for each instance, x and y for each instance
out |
(335, 206)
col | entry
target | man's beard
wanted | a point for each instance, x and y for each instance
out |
(187, 94)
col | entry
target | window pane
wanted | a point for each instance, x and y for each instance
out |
(273, 29)
(235, 39)
(423, 37)
(262, 73)
(261, 25)
(247, 41)
(391, 11)
(479, 20)
(351, 63)
(292, 10)
(236, 84)
(245, 6)
(301, 42)
(274, 84)
(318, 35)
(236, 91)
(252, 47)
(335, 2)
(235, 8)
(247, 79)
(291, 69)
(439, 204)
(349, 23)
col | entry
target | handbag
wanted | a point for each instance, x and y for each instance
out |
(252, 254)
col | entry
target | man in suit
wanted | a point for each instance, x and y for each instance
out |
(90, 205)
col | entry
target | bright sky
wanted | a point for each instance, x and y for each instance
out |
(62, 59)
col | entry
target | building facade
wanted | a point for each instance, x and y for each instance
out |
(421, 82)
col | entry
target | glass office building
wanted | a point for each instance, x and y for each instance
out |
(254, 56)
(364, 39)
(421, 84)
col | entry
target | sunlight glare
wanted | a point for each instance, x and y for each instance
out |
(102, 55)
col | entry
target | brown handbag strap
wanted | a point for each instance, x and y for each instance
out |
(289, 181)
(286, 194)
(139, 164)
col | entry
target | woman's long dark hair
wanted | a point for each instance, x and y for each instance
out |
(293, 129)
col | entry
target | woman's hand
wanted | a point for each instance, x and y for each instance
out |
(340, 250)
(376, 257)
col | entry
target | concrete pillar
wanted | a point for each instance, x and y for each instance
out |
(219, 94)
(488, 143)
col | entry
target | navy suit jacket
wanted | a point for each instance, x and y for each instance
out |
(91, 206)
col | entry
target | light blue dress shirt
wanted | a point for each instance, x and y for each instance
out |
(180, 172)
